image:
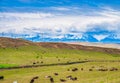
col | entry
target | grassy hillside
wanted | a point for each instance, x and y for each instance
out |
(49, 57)
(27, 55)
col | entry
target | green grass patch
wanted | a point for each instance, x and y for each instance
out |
(7, 65)
(26, 55)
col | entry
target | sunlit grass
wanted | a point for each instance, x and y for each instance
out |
(26, 55)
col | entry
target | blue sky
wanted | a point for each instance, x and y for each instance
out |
(48, 3)
(61, 20)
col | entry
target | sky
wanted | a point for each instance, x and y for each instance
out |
(61, 20)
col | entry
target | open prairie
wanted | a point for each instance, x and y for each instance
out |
(21, 61)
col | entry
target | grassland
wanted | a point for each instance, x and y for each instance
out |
(27, 55)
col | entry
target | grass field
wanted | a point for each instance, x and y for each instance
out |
(28, 55)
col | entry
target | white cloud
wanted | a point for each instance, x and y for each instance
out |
(59, 24)
(100, 37)
(24, 15)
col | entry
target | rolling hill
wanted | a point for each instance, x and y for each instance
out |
(109, 48)
(21, 60)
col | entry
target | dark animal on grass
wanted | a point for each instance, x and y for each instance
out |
(55, 74)
(81, 69)
(34, 63)
(51, 80)
(41, 61)
(75, 78)
(113, 69)
(33, 79)
(102, 69)
(90, 69)
(69, 77)
(105, 69)
(62, 80)
(74, 69)
(1, 77)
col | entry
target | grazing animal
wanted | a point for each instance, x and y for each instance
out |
(75, 78)
(32, 81)
(1, 77)
(81, 69)
(34, 63)
(47, 76)
(90, 69)
(74, 69)
(62, 80)
(35, 77)
(69, 76)
(55, 74)
(41, 61)
(51, 80)
(102, 69)
(113, 69)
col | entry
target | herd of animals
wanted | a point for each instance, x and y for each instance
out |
(70, 77)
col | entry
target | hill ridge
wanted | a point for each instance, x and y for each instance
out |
(11, 42)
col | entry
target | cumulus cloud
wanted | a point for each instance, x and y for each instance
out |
(56, 24)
